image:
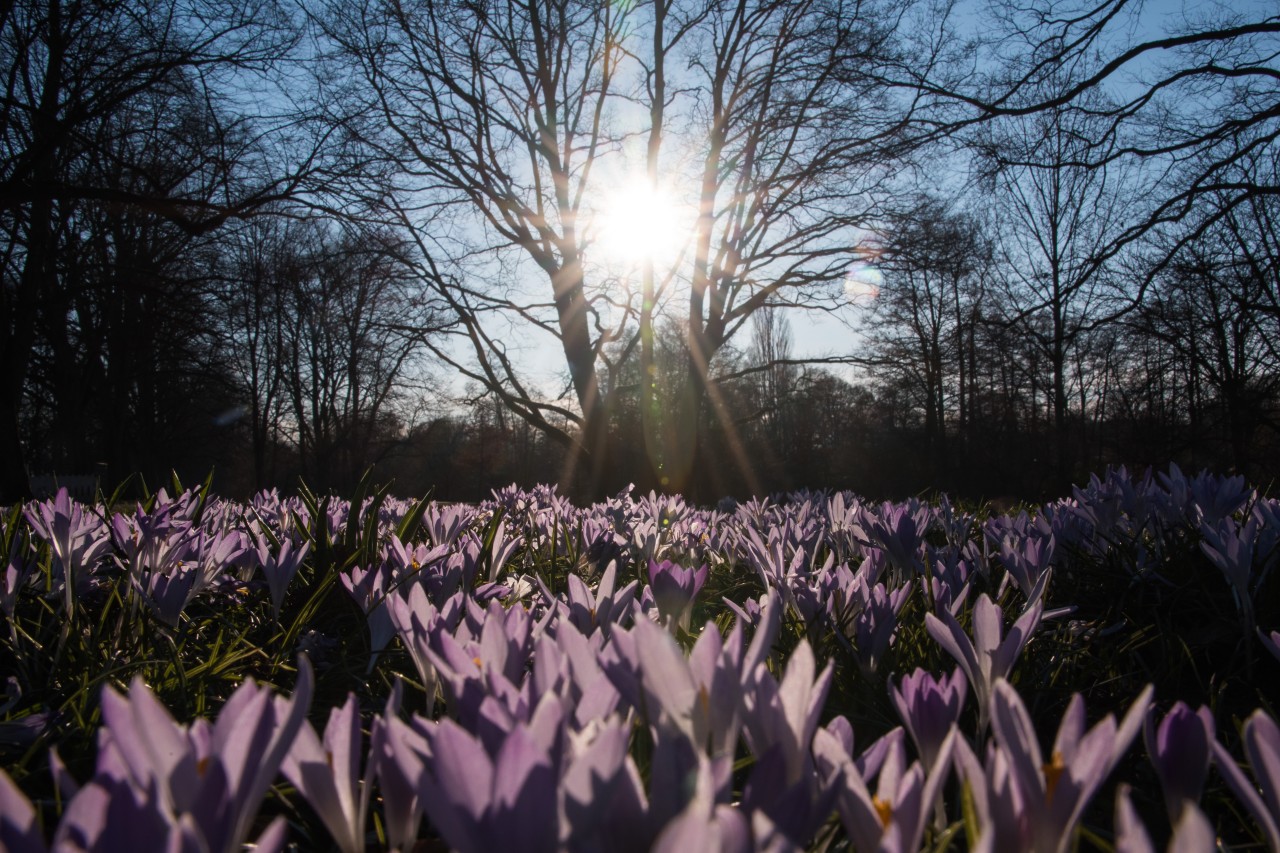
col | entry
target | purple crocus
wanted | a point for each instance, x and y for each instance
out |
(1192, 832)
(699, 697)
(674, 589)
(1180, 749)
(929, 707)
(1026, 561)
(987, 657)
(998, 802)
(1230, 547)
(603, 805)
(507, 801)
(893, 818)
(280, 567)
(1055, 792)
(784, 715)
(370, 589)
(204, 782)
(602, 608)
(395, 758)
(327, 774)
(876, 621)
(1261, 739)
(704, 824)
(415, 617)
(78, 539)
(168, 593)
(898, 531)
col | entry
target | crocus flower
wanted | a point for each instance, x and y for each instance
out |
(876, 621)
(168, 593)
(415, 617)
(603, 806)
(501, 549)
(588, 689)
(987, 657)
(206, 782)
(1004, 822)
(1055, 792)
(78, 539)
(1025, 562)
(898, 532)
(1180, 750)
(1192, 832)
(395, 758)
(706, 825)
(787, 814)
(327, 774)
(1262, 747)
(370, 589)
(784, 715)
(492, 666)
(601, 609)
(674, 589)
(698, 696)
(280, 567)
(1230, 547)
(508, 801)
(929, 707)
(893, 818)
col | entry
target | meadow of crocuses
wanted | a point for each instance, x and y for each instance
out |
(808, 672)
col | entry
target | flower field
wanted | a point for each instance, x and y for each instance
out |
(814, 672)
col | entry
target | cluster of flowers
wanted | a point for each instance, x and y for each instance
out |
(576, 719)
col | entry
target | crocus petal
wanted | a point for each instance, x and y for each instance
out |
(18, 829)
(524, 793)
(1244, 790)
(1262, 746)
(946, 632)
(1131, 835)
(463, 766)
(1013, 729)
(665, 674)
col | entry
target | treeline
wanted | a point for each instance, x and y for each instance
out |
(279, 241)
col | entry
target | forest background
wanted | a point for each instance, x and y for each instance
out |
(470, 243)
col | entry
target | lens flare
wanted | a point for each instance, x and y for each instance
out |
(862, 285)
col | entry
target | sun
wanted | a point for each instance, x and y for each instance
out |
(639, 222)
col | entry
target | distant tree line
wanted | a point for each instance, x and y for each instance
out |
(283, 241)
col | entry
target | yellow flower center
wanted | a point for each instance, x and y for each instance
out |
(884, 810)
(476, 661)
(1052, 772)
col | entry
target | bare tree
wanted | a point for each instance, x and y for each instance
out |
(921, 324)
(514, 124)
(1192, 97)
(102, 104)
(1060, 221)
(351, 331)
(1212, 310)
